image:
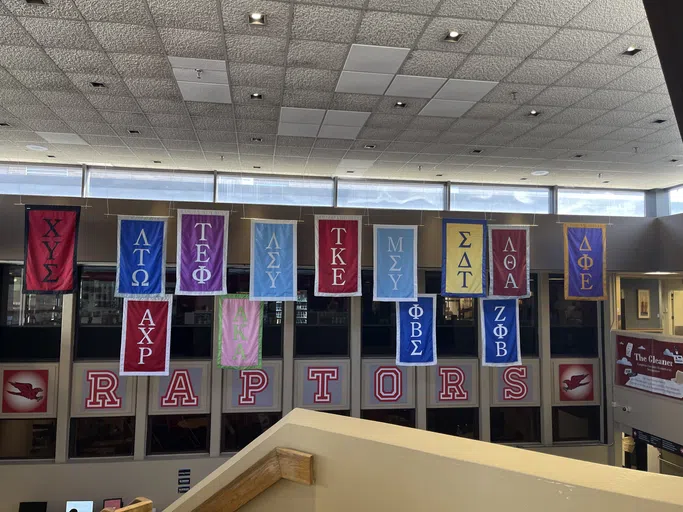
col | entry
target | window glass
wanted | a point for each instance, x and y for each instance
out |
(28, 439)
(240, 429)
(573, 323)
(402, 417)
(614, 203)
(101, 437)
(274, 190)
(516, 424)
(576, 423)
(387, 194)
(528, 320)
(457, 421)
(676, 200)
(489, 198)
(378, 335)
(30, 325)
(322, 323)
(41, 180)
(177, 434)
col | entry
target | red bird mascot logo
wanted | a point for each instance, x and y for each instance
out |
(575, 382)
(26, 390)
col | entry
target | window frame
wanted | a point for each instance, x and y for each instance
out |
(453, 200)
(588, 192)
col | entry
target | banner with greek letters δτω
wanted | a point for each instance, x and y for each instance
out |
(141, 257)
(416, 332)
(463, 272)
(395, 268)
(500, 332)
(241, 332)
(272, 274)
(585, 262)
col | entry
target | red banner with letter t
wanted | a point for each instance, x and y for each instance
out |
(509, 261)
(50, 241)
(337, 255)
(146, 336)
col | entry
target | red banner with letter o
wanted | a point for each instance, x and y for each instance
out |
(146, 336)
(509, 261)
(337, 255)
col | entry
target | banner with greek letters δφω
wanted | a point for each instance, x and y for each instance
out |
(272, 274)
(395, 257)
(141, 257)
(500, 332)
(416, 332)
(241, 332)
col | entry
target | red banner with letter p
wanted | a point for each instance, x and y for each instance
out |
(146, 336)
(509, 261)
(337, 255)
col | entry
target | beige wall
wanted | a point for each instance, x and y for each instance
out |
(598, 454)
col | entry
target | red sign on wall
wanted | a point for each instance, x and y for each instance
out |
(576, 382)
(25, 391)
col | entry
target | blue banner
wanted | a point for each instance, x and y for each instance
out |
(395, 265)
(500, 332)
(141, 257)
(273, 260)
(416, 332)
(585, 262)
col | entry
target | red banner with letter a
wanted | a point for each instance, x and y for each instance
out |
(509, 261)
(146, 336)
(337, 255)
(50, 241)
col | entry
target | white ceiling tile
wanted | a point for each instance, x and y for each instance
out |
(513, 93)
(414, 86)
(363, 83)
(62, 138)
(121, 37)
(298, 129)
(255, 49)
(514, 40)
(540, 71)
(435, 33)
(203, 77)
(375, 59)
(647, 102)
(325, 23)
(545, 12)
(235, 12)
(345, 118)
(431, 63)
(192, 43)
(464, 90)
(638, 79)
(338, 132)
(613, 53)
(446, 108)
(606, 99)
(390, 29)
(124, 11)
(301, 115)
(609, 16)
(422, 7)
(592, 75)
(388, 105)
(306, 99)
(315, 54)
(361, 102)
(212, 93)
(175, 13)
(575, 45)
(476, 9)
(486, 67)
(561, 96)
(311, 79)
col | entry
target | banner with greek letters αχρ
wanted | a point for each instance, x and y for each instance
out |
(141, 257)
(146, 336)
(500, 332)
(395, 258)
(416, 332)
(273, 260)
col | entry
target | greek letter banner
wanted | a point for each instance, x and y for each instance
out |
(337, 255)
(464, 254)
(146, 336)
(273, 260)
(395, 263)
(509, 261)
(50, 243)
(500, 332)
(141, 257)
(416, 332)
(241, 332)
(585, 262)
(202, 252)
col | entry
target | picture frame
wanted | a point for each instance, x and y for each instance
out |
(114, 503)
(643, 304)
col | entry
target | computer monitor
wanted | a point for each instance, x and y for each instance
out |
(33, 506)
(79, 506)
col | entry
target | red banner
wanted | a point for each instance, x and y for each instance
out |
(146, 336)
(50, 241)
(509, 261)
(337, 255)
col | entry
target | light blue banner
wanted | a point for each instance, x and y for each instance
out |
(500, 332)
(273, 260)
(416, 332)
(141, 257)
(395, 263)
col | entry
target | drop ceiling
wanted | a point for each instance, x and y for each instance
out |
(562, 58)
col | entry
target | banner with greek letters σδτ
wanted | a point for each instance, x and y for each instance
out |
(395, 258)
(500, 332)
(273, 260)
(416, 332)
(241, 332)
(509, 261)
(337, 255)
(141, 257)
(202, 252)
(463, 272)
(585, 262)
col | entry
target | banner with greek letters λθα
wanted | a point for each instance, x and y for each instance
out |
(141, 257)
(416, 332)
(241, 332)
(509, 261)
(500, 332)
(272, 274)
(395, 268)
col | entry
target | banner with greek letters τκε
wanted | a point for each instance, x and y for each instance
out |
(585, 262)
(416, 332)
(273, 260)
(141, 257)
(509, 261)
(500, 332)
(337, 255)
(395, 268)
(463, 272)
(146, 336)
(202, 252)
(241, 332)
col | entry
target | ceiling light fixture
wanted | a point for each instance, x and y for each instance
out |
(157, 161)
(439, 175)
(659, 121)
(369, 146)
(523, 179)
(36, 147)
(453, 36)
(51, 156)
(256, 96)
(98, 85)
(477, 151)
(534, 113)
(605, 182)
(400, 104)
(540, 172)
(631, 51)
(350, 172)
(36, 2)
(134, 132)
(578, 156)
(256, 139)
(4, 124)
(257, 18)
(257, 167)
(673, 160)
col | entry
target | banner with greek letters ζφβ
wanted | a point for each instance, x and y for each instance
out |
(509, 261)
(337, 255)
(395, 258)
(202, 252)
(416, 332)
(273, 260)
(146, 336)
(141, 257)
(585, 262)
(241, 332)
(463, 272)
(500, 332)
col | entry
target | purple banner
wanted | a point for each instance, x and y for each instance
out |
(585, 262)
(202, 252)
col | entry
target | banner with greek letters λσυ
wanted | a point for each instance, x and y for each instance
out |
(500, 332)
(416, 332)
(240, 333)
(337, 255)
(202, 252)
(146, 336)
(585, 262)
(463, 272)
(395, 263)
(141, 257)
(273, 260)
(509, 262)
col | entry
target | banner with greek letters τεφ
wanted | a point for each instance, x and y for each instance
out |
(141, 257)
(395, 258)
(416, 332)
(273, 260)
(509, 261)
(241, 332)
(585, 262)
(500, 332)
(463, 272)
(202, 252)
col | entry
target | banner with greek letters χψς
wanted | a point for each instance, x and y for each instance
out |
(273, 260)
(395, 268)
(241, 332)
(141, 257)
(500, 332)
(416, 332)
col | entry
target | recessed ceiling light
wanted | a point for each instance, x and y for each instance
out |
(540, 172)
(51, 156)
(673, 160)
(632, 50)
(659, 121)
(257, 167)
(98, 85)
(477, 151)
(36, 2)
(534, 113)
(578, 156)
(134, 132)
(369, 146)
(256, 139)
(4, 124)
(439, 175)
(606, 181)
(157, 161)
(350, 172)
(257, 18)
(36, 147)
(453, 36)
(400, 104)
(523, 179)
(256, 96)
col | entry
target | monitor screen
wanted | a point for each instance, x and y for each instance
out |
(79, 506)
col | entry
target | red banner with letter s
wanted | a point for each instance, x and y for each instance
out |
(509, 261)
(337, 255)
(50, 242)
(146, 336)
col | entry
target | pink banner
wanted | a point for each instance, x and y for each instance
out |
(241, 332)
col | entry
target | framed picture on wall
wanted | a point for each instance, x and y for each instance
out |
(643, 304)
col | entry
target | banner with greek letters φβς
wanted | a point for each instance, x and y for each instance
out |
(463, 272)
(416, 332)
(202, 252)
(585, 262)
(273, 260)
(146, 336)
(395, 258)
(240, 333)
(509, 261)
(500, 332)
(141, 257)
(337, 255)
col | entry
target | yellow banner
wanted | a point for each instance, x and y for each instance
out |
(464, 267)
